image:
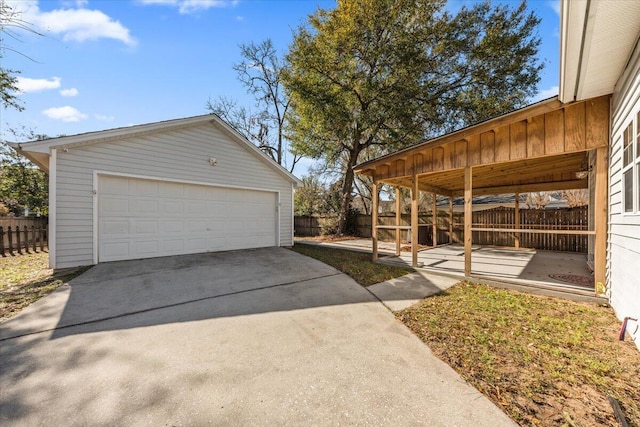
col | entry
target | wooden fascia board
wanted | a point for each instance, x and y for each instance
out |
(507, 119)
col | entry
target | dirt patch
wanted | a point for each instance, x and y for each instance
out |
(330, 238)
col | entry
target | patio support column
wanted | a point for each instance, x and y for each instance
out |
(414, 221)
(517, 221)
(600, 222)
(468, 194)
(374, 219)
(450, 219)
(434, 214)
(398, 219)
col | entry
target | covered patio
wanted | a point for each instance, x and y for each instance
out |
(547, 146)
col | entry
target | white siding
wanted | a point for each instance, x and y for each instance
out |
(180, 154)
(623, 255)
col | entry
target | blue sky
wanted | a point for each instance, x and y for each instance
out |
(110, 63)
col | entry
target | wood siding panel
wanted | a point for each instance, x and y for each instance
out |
(575, 128)
(518, 141)
(181, 154)
(473, 150)
(487, 148)
(461, 154)
(597, 122)
(449, 153)
(438, 158)
(554, 132)
(535, 137)
(502, 144)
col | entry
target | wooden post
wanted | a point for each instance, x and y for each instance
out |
(18, 243)
(34, 242)
(468, 194)
(1, 241)
(10, 240)
(374, 219)
(414, 221)
(434, 214)
(450, 219)
(517, 221)
(398, 219)
(600, 222)
(43, 231)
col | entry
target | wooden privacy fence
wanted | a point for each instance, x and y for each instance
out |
(23, 236)
(573, 219)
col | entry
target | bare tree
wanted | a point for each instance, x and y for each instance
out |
(576, 198)
(260, 72)
(537, 200)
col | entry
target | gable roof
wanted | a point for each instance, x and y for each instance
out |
(597, 39)
(39, 151)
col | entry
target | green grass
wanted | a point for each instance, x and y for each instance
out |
(545, 361)
(25, 279)
(358, 265)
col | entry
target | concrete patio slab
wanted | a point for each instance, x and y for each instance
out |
(263, 337)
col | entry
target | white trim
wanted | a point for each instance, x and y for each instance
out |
(278, 210)
(52, 207)
(181, 181)
(95, 217)
(96, 177)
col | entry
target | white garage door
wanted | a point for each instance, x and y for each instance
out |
(139, 218)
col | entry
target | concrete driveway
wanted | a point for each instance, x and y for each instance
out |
(259, 337)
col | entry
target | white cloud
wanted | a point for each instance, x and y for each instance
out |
(104, 118)
(27, 85)
(239, 18)
(69, 92)
(74, 24)
(555, 5)
(547, 93)
(192, 6)
(66, 114)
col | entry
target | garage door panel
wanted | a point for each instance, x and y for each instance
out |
(146, 227)
(170, 207)
(142, 218)
(115, 227)
(168, 226)
(144, 207)
(172, 190)
(143, 187)
(113, 186)
(114, 205)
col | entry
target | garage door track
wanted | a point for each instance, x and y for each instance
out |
(257, 337)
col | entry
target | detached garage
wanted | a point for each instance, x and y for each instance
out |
(169, 188)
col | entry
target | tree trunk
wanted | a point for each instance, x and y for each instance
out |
(347, 186)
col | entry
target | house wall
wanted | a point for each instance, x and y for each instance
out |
(623, 255)
(180, 154)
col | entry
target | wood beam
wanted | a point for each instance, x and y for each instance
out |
(600, 222)
(414, 222)
(575, 184)
(434, 215)
(450, 219)
(398, 218)
(374, 219)
(468, 196)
